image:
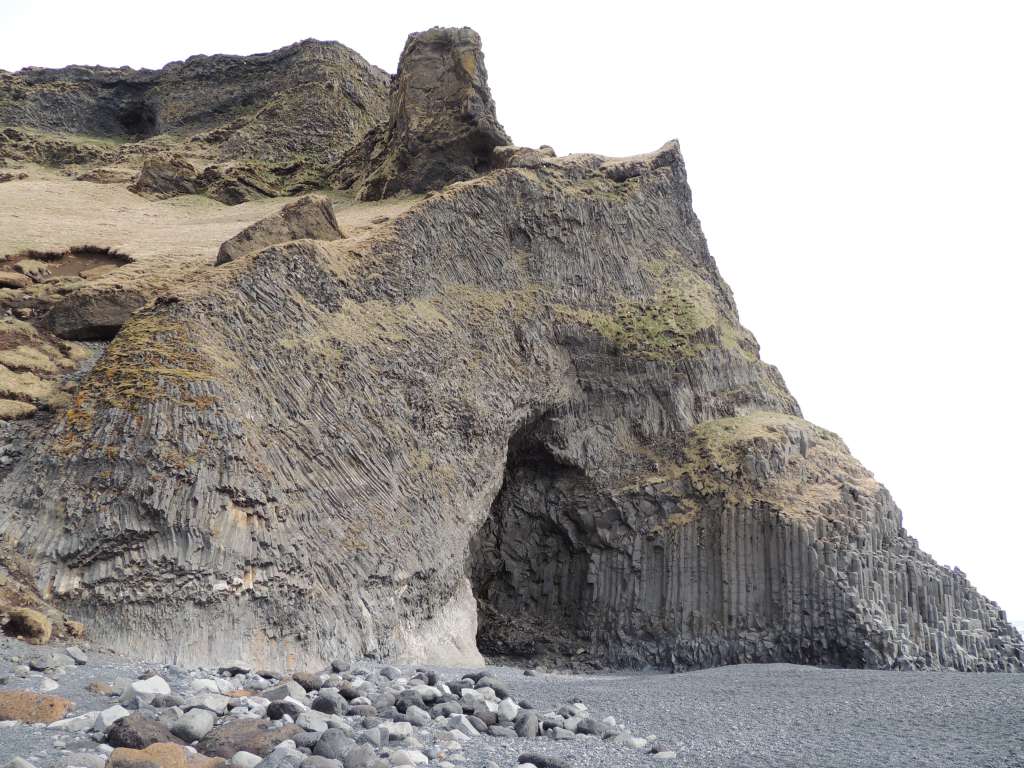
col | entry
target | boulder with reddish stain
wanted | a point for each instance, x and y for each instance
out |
(29, 707)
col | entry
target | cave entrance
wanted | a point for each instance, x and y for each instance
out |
(527, 567)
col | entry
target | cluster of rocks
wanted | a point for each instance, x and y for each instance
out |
(342, 717)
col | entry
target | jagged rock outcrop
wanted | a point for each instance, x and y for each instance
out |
(311, 98)
(93, 315)
(163, 177)
(310, 217)
(442, 125)
(526, 398)
(250, 126)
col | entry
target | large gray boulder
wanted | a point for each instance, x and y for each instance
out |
(162, 177)
(310, 217)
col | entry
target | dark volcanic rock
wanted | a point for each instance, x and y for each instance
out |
(442, 125)
(137, 731)
(312, 98)
(88, 315)
(528, 395)
(309, 217)
(256, 736)
(163, 177)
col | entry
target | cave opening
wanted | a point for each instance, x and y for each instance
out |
(138, 119)
(527, 571)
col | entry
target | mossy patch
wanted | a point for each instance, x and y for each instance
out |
(149, 352)
(152, 357)
(682, 320)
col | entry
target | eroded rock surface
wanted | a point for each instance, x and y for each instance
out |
(233, 127)
(442, 125)
(310, 217)
(519, 413)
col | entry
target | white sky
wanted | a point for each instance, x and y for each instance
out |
(858, 168)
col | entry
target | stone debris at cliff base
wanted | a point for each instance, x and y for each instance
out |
(344, 716)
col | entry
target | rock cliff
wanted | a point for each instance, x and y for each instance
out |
(516, 415)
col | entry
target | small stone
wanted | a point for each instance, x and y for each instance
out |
(502, 731)
(334, 744)
(207, 685)
(47, 684)
(500, 689)
(194, 724)
(276, 710)
(462, 724)
(100, 688)
(250, 735)
(153, 756)
(245, 759)
(86, 760)
(77, 654)
(214, 702)
(667, 755)
(20, 762)
(79, 723)
(137, 732)
(109, 716)
(360, 756)
(391, 673)
(144, 690)
(166, 700)
(340, 666)
(331, 702)
(542, 761)
(308, 680)
(397, 731)
(591, 727)
(316, 761)
(311, 720)
(408, 757)
(418, 717)
(285, 689)
(507, 709)
(446, 709)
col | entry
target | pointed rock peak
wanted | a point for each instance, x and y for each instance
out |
(442, 125)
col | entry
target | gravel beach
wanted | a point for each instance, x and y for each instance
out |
(755, 715)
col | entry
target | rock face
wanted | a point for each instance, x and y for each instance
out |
(317, 96)
(235, 128)
(442, 125)
(163, 177)
(91, 315)
(526, 399)
(310, 217)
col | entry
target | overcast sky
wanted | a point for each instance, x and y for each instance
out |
(858, 168)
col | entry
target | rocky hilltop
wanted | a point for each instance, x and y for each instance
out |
(496, 401)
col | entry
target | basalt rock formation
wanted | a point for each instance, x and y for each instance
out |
(255, 126)
(518, 415)
(442, 126)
